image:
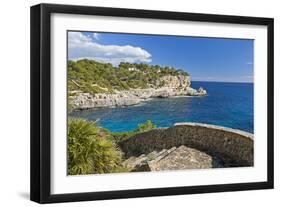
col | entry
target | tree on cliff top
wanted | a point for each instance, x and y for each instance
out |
(95, 77)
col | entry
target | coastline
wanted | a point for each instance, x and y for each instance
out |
(214, 108)
(82, 101)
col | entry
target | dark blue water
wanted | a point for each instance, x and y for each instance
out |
(227, 104)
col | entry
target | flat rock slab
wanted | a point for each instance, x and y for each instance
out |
(180, 158)
(183, 158)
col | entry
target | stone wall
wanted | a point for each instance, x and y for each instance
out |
(232, 146)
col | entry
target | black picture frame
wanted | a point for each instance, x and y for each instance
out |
(41, 98)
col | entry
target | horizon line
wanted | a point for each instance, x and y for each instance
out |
(219, 81)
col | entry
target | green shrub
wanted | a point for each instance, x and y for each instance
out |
(122, 136)
(148, 125)
(89, 150)
(83, 74)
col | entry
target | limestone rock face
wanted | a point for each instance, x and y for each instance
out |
(175, 158)
(171, 81)
(167, 86)
(87, 100)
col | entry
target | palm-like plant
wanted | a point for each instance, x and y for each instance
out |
(89, 150)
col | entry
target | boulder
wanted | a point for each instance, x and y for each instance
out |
(175, 158)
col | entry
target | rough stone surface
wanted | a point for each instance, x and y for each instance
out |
(173, 159)
(183, 158)
(171, 86)
(232, 147)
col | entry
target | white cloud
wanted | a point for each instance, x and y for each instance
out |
(96, 36)
(75, 38)
(81, 46)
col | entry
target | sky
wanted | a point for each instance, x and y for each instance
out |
(205, 59)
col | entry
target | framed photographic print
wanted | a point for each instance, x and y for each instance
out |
(133, 103)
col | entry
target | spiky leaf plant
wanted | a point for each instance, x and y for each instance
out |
(89, 150)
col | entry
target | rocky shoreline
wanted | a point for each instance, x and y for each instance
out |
(165, 87)
(130, 97)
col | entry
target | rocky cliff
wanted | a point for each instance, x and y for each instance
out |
(164, 87)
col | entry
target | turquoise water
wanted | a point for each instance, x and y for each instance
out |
(227, 104)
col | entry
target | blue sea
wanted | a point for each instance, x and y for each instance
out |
(227, 104)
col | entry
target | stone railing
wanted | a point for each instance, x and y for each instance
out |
(230, 145)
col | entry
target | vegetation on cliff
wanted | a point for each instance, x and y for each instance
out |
(95, 77)
(92, 149)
